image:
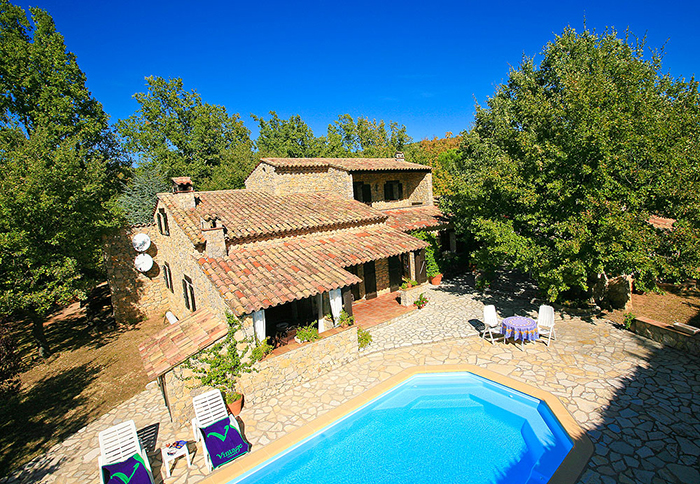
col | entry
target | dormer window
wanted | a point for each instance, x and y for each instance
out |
(162, 219)
(393, 190)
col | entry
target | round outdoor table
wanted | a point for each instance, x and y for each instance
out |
(520, 328)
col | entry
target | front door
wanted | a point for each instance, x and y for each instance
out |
(395, 272)
(370, 280)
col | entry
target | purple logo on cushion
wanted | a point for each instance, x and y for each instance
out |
(131, 471)
(223, 442)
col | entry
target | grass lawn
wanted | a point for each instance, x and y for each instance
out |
(93, 368)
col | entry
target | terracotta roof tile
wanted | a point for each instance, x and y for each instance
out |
(181, 340)
(416, 218)
(347, 164)
(302, 266)
(250, 215)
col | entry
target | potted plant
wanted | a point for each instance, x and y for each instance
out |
(345, 319)
(220, 365)
(408, 283)
(421, 301)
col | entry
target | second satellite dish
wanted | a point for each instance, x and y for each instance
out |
(143, 262)
(141, 242)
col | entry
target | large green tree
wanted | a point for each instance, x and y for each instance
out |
(58, 171)
(348, 137)
(286, 138)
(569, 159)
(181, 135)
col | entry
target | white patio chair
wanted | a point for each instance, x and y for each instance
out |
(545, 322)
(209, 407)
(117, 444)
(490, 322)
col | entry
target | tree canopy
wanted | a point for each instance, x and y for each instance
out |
(346, 137)
(59, 171)
(569, 158)
(181, 135)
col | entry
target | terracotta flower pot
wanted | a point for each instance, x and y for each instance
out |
(235, 407)
(436, 280)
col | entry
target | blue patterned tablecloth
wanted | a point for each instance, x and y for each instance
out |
(520, 328)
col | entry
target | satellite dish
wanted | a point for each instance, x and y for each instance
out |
(141, 242)
(143, 262)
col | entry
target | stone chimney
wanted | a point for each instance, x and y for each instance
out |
(184, 189)
(215, 242)
(399, 156)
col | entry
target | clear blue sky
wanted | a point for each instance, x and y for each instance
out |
(423, 64)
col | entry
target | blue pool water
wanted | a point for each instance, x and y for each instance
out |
(434, 428)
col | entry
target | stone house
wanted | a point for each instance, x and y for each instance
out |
(302, 241)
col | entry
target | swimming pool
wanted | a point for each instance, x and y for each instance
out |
(436, 428)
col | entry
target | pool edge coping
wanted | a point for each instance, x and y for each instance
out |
(568, 471)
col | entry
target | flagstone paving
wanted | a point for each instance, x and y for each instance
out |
(636, 399)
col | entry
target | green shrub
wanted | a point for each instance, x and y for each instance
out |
(364, 338)
(432, 258)
(629, 319)
(262, 350)
(307, 333)
(220, 365)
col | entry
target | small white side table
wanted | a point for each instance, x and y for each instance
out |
(168, 458)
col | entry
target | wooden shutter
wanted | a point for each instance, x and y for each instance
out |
(367, 193)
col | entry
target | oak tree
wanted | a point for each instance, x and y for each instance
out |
(570, 157)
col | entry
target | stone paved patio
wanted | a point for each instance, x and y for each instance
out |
(636, 399)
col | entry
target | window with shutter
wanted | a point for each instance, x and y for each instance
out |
(188, 294)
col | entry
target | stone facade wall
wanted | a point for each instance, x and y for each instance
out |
(262, 178)
(666, 334)
(181, 255)
(135, 295)
(284, 181)
(281, 372)
(417, 187)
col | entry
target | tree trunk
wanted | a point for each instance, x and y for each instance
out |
(37, 323)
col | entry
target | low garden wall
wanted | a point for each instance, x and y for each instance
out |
(277, 373)
(409, 296)
(668, 335)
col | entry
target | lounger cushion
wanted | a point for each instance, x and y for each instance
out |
(131, 471)
(223, 442)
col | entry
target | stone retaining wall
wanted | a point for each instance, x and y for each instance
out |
(666, 334)
(279, 373)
